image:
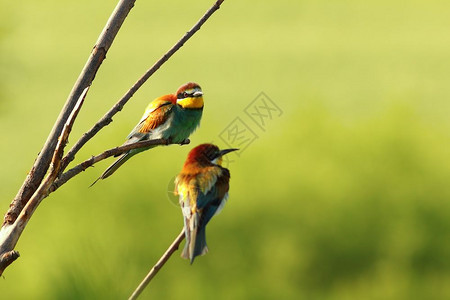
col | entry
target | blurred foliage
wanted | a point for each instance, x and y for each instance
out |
(344, 196)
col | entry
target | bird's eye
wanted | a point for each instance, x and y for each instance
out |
(185, 94)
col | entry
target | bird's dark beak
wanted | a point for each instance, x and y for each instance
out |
(225, 151)
(197, 94)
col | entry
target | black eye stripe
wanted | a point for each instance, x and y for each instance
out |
(185, 95)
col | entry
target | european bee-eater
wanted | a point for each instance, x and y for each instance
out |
(172, 117)
(202, 186)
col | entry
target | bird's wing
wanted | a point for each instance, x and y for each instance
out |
(190, 215)
(214, 194)
(156, 114)
(183, 189)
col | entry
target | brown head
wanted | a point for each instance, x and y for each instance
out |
(190, 96)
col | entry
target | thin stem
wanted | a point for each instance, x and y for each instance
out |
(164, 258)
(108, 153)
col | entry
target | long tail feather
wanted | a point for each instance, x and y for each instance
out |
(195, 239)
(112, 168)
(200, 244)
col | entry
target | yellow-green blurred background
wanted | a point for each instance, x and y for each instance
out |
(343, 196)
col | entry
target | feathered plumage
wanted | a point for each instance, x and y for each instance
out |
(202, 186)
(173, 117)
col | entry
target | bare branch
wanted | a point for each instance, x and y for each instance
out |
(107, 118)
(108, 153)
(62, 140)
(42, 163)
(8, 258)
(164, 258)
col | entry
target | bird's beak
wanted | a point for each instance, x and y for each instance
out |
(225, 151)
(197, 94)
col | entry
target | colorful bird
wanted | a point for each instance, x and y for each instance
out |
(202, 186)
(172, 117)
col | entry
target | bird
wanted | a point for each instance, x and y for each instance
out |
(171, 117)
(202, 187)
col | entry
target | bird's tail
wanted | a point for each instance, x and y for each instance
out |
(112, 168)
(195, 241)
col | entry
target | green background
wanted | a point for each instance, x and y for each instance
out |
(343, 196)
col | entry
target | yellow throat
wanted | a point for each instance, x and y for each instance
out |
(191, 102)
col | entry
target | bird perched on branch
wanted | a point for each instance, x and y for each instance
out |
(202, 187)
(171, 117)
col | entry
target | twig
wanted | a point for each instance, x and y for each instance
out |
(8, 258)
(108, 153)
(164, 258)
(42, 162)
(107, 118)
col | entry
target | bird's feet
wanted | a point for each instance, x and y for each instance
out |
(168, 141)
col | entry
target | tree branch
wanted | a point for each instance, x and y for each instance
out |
(8, 258)
(164, 258)
(42, 163)
(111, 152)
